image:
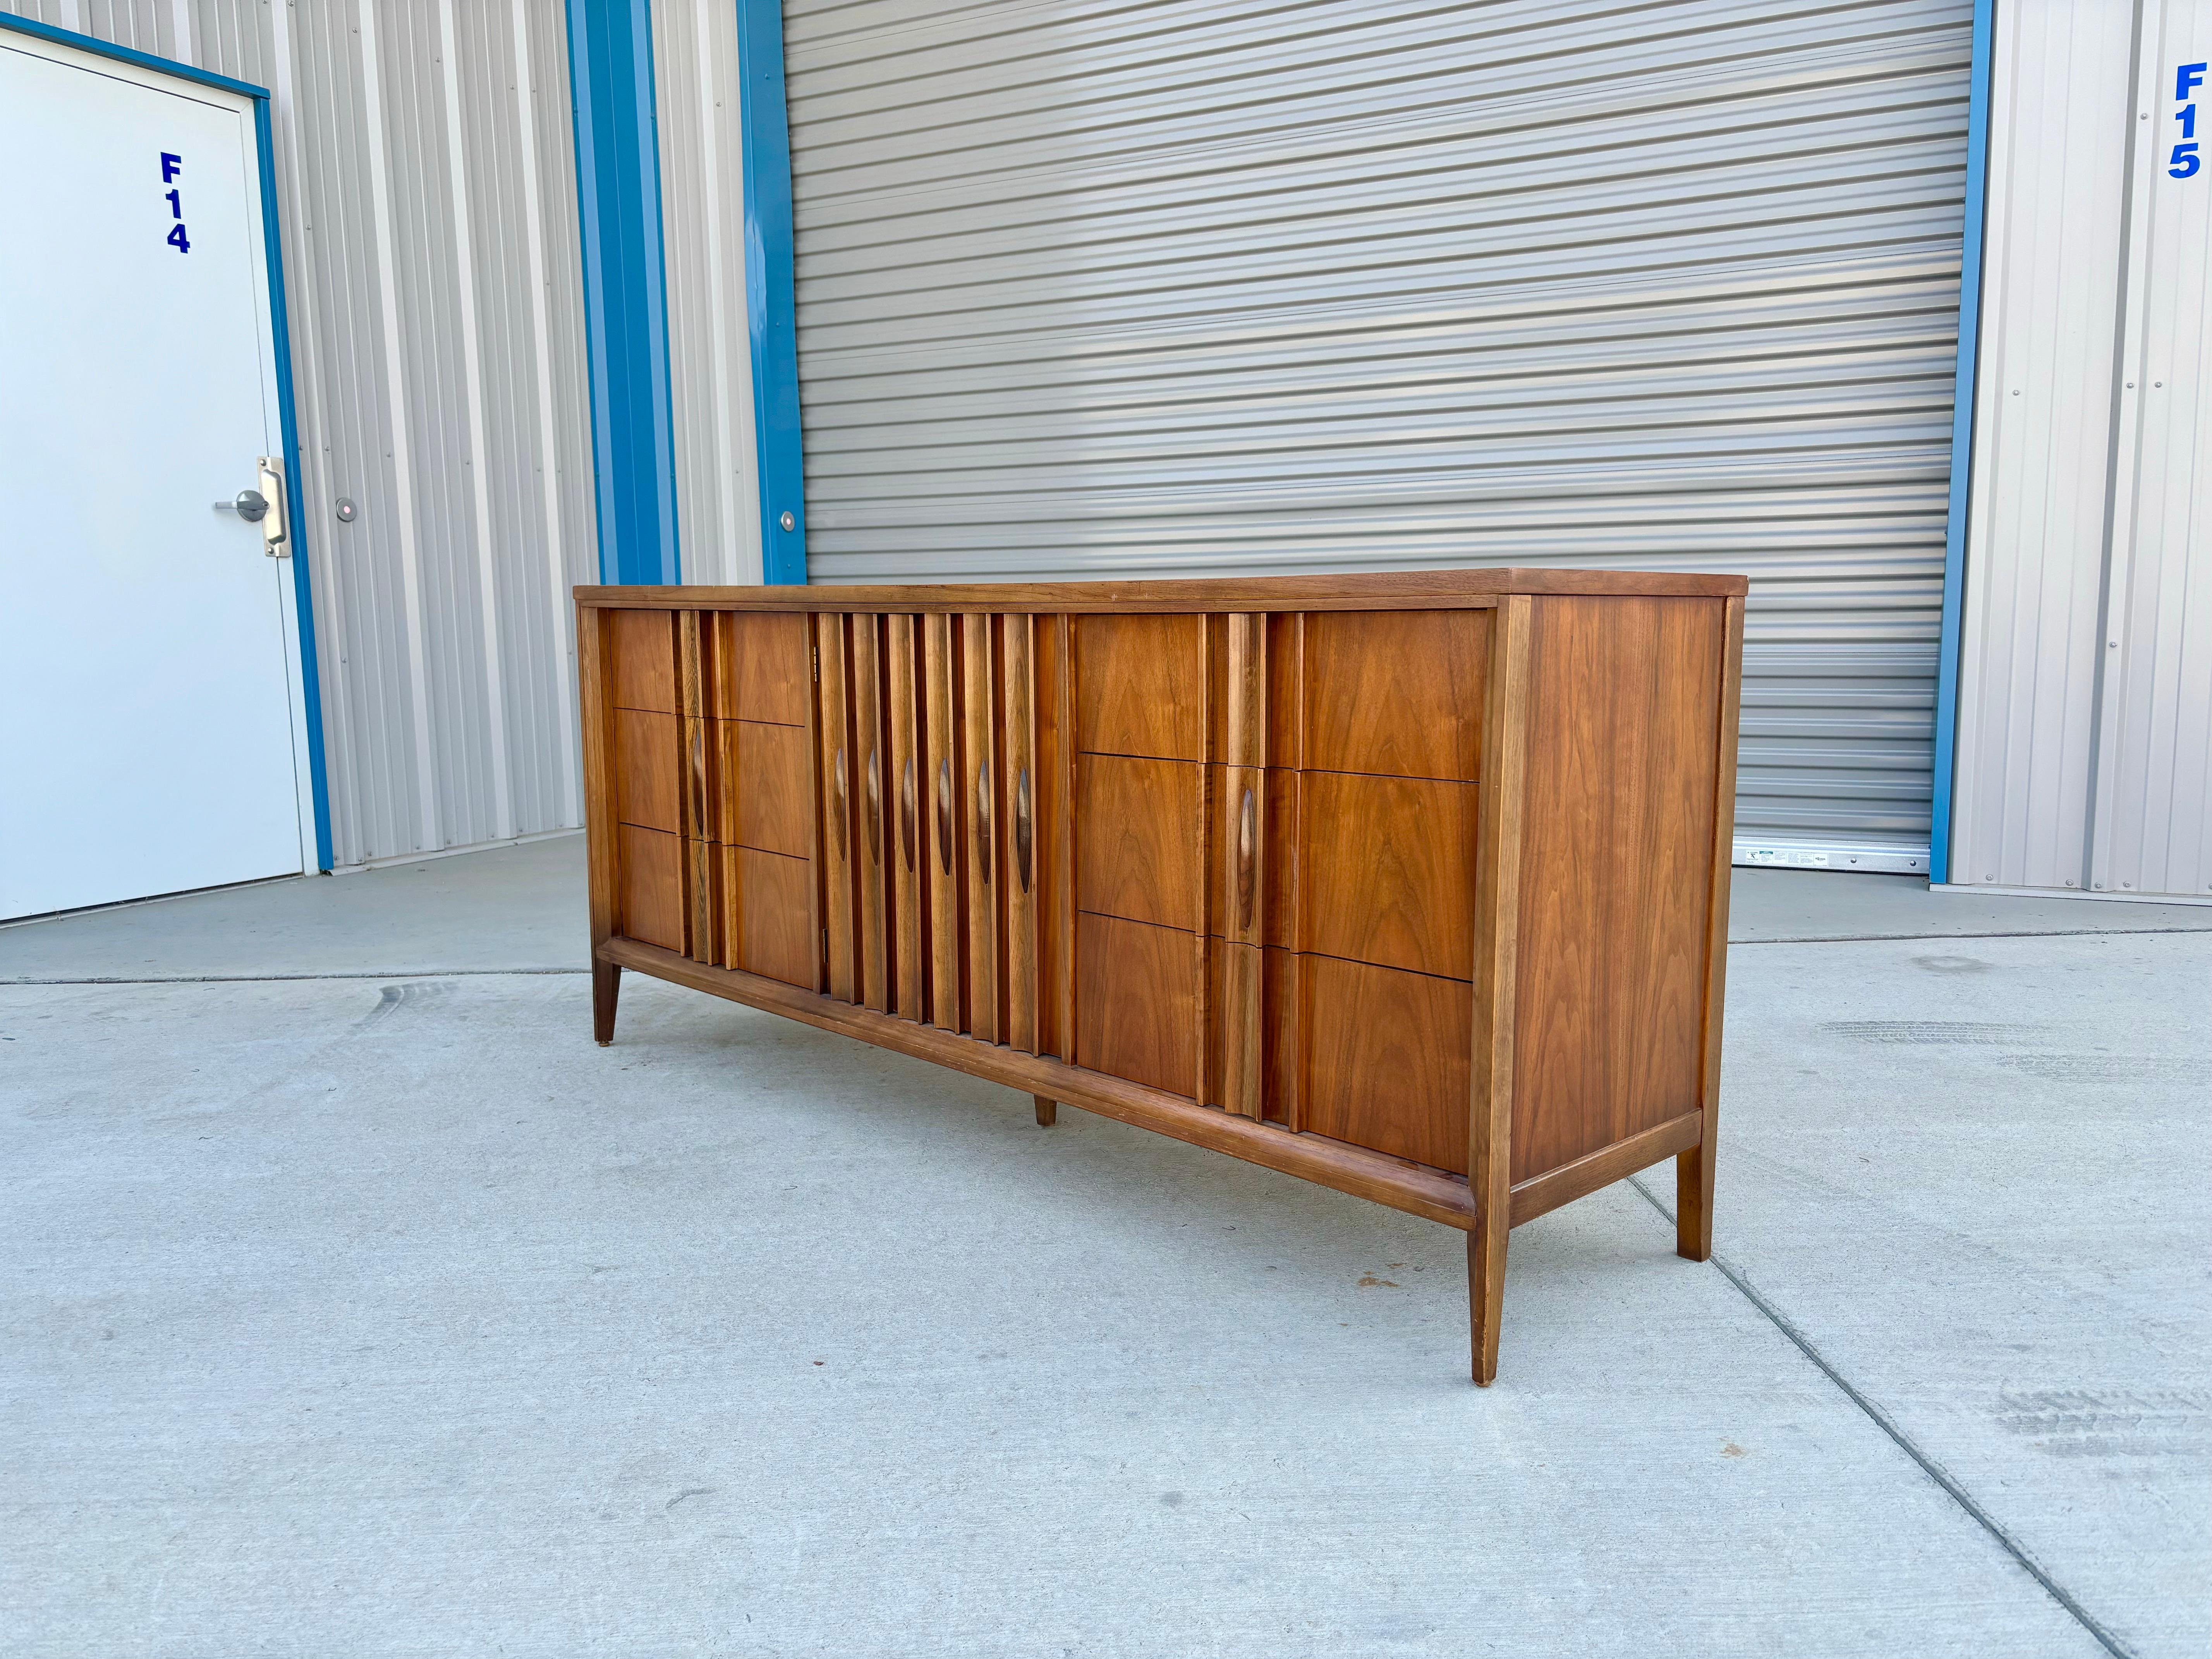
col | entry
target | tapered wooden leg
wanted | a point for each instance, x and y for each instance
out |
(1694, 1203)
(1485, 1294)
(1048, 1111)
(606, 983)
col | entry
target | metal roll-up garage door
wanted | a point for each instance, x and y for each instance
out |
(1094, 291)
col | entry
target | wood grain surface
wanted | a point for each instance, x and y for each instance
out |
(1398, 693)
(1395, 589)
(1136, 852)
(1386, 872)
(651, 901)
(761, 667)
(1137, 1002)
(647, 747)
(643, 644)
(1615, 891)
(833, 784)
(1140, 686)
(1387, 1060)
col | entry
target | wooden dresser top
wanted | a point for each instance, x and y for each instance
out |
(1397, 590)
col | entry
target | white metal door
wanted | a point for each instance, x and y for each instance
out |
(154, 731)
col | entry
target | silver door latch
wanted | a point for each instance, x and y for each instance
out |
(265, 507)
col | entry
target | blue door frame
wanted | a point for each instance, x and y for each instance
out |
(626, 289)
(303, 597)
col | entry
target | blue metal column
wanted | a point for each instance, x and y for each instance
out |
(625, 291)
(771, 307)
(1962, 441)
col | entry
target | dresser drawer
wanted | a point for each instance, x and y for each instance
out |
(1137, 851)
(1138, 991)
(650, 864)
(1140, 686)
(760, 666)
(1387, 1059)
(1395, 692)
(648, 751)
(1386, 872)
(763, 786)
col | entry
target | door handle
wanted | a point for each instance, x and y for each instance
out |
(1247, 836)
(838, 796)
(906, 813)
(983, 819)
(275, 519)
(1022, 827)
(873, 802)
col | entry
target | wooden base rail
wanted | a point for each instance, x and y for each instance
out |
(1412, 885)
(1352, 1169)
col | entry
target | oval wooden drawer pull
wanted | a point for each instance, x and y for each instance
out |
(906, 813)
(838, 797)
(983, 820)
(1247, 840)
(945, 814)
(1022, 827)
(872, 800)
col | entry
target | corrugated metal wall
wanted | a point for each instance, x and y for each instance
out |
(1092, 289)
(2085, 709)
(427, 183)
(694, 63)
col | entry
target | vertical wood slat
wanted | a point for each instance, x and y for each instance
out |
(1242, 882)
(1497, 974)
(1205, 1086)
(1289, 724)
(978, 787)
(816, 920)
(939, 785)
(1017, 839)
(1693, 1170)
(867, 786)
(701, 870)
(1054, 643)
(903, 810)
(834, 845)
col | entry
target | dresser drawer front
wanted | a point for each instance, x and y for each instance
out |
(1138, 853)
(1387, 1058)
(1386, 872)
(1140, 992)
(1397, 693)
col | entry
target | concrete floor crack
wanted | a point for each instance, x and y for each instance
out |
(1905, 1443)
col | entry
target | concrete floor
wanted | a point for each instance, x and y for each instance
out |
(357, 1304)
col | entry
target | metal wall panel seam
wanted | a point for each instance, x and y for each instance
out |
(2127, 445)
(427, 812)
(771, 294)
(310, 688)
(541, 329)
(1964, 385)
(477, 461)
(618, 190)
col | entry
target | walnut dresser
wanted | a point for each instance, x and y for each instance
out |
(1415, 885)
